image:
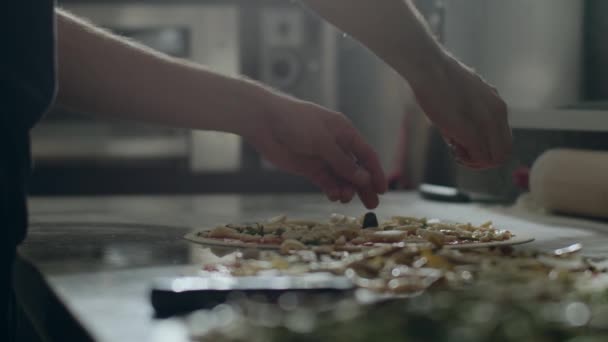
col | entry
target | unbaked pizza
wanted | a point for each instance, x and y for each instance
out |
(342, 232)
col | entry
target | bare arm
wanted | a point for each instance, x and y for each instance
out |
(470, 114)
(103, 74)
(392, 29)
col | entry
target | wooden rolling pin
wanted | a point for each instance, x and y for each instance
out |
(572, 182)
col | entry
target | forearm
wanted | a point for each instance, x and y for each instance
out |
(104, 75)
(392, 29)
(467, 111)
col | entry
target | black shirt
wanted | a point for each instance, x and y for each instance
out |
(27, 88)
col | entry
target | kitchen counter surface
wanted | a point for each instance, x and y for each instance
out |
(99, 255)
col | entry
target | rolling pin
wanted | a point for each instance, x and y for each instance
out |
(571, 182)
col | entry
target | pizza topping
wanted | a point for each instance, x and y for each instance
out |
(358, 240)
(367, 230)
(408, 268)
(291, 245)
(370, 220)
(278, 219)
(404, 220)
(270, 240)
(344, 221)
(341, 240)
(436, 238)
(250, 229)
(387, 236)
(224, 233)
(411, 228)
(493, 293)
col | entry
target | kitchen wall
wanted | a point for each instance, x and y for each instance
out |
(530, 49)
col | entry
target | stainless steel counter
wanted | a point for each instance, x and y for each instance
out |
(100, 254)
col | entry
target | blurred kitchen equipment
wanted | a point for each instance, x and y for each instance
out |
(596, 51)
(574, 248)
(297, 55)
(449, 194)
(182, 295)
(572, 182)
(442, 193)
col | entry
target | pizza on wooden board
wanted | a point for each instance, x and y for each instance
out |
(342, 232)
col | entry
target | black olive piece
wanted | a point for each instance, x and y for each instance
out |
(370, 220)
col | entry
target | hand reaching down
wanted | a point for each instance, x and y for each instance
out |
(321, 145)
(467, 111)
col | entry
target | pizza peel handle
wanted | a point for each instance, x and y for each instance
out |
(175, 296)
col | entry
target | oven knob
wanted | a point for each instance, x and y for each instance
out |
(283, 69)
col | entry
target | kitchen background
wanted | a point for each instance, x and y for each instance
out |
(548, 58)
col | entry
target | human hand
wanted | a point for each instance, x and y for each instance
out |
(468, 112)
(308, 140)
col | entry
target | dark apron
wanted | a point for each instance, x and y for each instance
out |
(27, 89)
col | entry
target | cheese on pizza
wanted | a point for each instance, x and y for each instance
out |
(341, 230)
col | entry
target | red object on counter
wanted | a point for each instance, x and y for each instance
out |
(521, 177)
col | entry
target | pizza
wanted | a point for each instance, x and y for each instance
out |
(487, 290)
(342, 232)
(412, 268)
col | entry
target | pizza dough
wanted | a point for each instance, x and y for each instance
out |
(571, 182)
(193, 237)
(348, 234)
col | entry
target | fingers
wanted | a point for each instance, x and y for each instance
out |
(352, 142)
(353, 159)
(459, 153)
(343, 164)
(368, 197)
(495, 133)
(327, 183)
(334, 189)
(486, 142)
(470, 148)
(314, 169)
(471, 113)
(332, 167)
(348, 192)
